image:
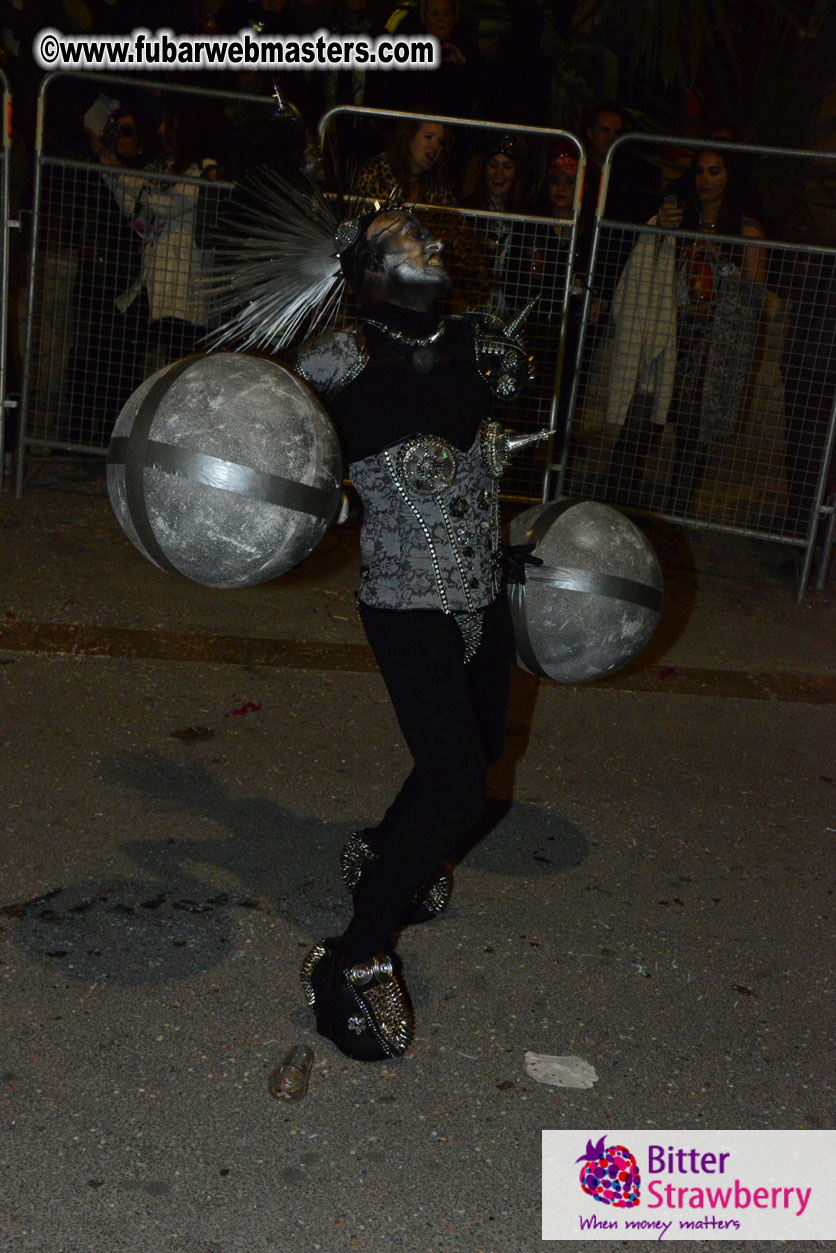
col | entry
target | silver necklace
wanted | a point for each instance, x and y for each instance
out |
(423, 352)
(407, 340)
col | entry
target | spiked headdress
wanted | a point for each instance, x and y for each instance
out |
(282, 264)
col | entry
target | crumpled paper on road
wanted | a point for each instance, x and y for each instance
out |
(560, 1072)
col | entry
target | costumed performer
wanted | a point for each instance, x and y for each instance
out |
(408, 389)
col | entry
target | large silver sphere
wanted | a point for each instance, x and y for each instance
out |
(225, 468)
(594, 603)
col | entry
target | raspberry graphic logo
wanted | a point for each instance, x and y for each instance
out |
(610, 1175)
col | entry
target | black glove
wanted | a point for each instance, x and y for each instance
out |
(515, 558)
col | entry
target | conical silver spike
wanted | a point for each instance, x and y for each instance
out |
(520, 320)
(513, 443)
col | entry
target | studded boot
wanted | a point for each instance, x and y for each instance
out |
(363, 1009)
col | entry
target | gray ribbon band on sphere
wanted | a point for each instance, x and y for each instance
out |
(516, 590)
(229, 476)
(134, 461)
(598, 585)
(522, 639)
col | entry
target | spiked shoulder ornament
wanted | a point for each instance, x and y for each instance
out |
(501, 355)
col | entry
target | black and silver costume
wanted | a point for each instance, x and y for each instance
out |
(409, 395)
(409, 392)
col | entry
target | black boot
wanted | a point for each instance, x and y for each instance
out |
(357, 856)
(363, 1009)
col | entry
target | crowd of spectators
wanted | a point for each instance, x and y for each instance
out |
(500, 63)
(141, 226)
(138, 208)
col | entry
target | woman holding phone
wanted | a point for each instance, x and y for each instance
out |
(720, 288)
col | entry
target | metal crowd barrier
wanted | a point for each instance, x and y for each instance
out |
(498, 264)
(6, 225)
(707, 400)
(705, 386)
(115, 276)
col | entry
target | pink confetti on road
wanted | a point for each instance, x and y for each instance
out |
(248, 707)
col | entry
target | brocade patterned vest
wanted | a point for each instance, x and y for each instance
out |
(431, 535)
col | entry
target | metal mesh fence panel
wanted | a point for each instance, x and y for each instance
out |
(706, 386)
(706, 398)
(116, 292)
(117, 270)
(120, 257)
(690, 373)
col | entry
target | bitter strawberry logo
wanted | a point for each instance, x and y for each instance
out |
(610, 1175)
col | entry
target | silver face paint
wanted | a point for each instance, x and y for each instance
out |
(408, 269)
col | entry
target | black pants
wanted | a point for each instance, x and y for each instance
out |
(453, 718)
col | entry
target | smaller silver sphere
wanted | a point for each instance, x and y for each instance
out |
(594, 603)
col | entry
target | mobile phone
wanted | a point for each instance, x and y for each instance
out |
(671, 199)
